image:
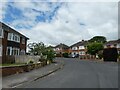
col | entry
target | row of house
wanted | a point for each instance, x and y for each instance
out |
(80, 47)
(11, 42)
(14, 43)
(77, 48)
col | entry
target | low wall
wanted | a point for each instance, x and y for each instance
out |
(19, 69)
(87, 57)
(26, 59)
(8, 59)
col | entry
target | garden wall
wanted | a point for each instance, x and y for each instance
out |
(9, 70)
(26, 59)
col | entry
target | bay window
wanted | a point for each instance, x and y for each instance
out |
(13, 37)
(1, 33)
(13, 51)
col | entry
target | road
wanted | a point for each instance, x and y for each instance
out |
(80, 74)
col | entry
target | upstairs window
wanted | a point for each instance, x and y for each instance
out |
(0, 50)
(74, 48)
(81, 47)
(1, 33)
(23, 40)
(10, 36)
(13, 37)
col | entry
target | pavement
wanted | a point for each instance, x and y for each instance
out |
(16, 80)
(79, 74)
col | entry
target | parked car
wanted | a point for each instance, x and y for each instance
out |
(74, 55)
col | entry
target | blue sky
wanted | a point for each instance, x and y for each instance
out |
(13, 13)
(61, 22)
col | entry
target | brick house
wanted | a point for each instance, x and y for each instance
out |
(79, 48)
(113, 43)
(11, 43)
(60, 49)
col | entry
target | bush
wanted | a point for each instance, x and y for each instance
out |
(100, 54)
(65, 55)
(30, 62)
(119, 57)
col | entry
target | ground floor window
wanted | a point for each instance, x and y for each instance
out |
(9, 50)
(13, 51)
(74, 53)
(82, 53)
(0, 50)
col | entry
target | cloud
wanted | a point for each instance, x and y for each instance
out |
(70, 21)
(3, 6)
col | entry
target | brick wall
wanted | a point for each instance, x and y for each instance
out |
(20, 69)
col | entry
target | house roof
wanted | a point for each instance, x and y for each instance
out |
(61, 45)
(81, 43)
(8, 28)
(112, 42)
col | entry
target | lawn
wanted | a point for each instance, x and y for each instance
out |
(15, 64)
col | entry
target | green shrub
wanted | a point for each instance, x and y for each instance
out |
(119, 57)
(65, 55)
(30, 62)
(100, 54)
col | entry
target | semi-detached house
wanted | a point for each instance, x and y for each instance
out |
(60, 49)
(11, 43)
(79, 48)
(113, 43)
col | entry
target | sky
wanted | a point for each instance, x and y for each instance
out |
(54, 22)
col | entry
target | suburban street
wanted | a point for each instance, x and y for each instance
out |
(79, 74)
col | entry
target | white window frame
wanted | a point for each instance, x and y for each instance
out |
(81, 47)
(82, 53)
(2, 33)
(13, 37)
(10, 36)
(1, 50)
(13, 50)
(74, 48)
(10, 50)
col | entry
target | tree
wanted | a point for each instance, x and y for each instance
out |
(42, 50)
(50, 54)
(100, 39)
(94, 48)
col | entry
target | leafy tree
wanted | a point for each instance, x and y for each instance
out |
(42, 50)
(94, 48)
(50, 54)
(100, 39)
